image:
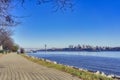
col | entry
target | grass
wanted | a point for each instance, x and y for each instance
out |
(84, 75)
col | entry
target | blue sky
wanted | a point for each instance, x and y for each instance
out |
(93, 22)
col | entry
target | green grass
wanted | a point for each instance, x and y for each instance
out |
(84, 75)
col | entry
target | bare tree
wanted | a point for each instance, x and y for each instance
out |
(7, 19)
(8, 44)
(5, 35)
(6, 41)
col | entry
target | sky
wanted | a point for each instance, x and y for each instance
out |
(92, 22)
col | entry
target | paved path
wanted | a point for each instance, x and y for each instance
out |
(15, 67)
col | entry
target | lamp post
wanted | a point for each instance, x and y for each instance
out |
(45, 47)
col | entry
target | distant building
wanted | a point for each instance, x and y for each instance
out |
(1, 47)
(71, 46)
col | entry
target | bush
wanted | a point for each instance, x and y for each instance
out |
(1, 51)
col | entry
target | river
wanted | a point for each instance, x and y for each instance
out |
(107, 62)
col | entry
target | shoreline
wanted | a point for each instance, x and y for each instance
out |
(76, 68)
(69, 51)
(95, 72)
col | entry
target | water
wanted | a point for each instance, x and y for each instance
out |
(107, 62)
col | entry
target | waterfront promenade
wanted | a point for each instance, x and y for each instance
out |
(15, 67)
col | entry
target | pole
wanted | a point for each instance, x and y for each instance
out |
(45, 47)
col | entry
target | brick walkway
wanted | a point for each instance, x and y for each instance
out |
(15, 67)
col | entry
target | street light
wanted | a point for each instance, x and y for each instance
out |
(45, 47)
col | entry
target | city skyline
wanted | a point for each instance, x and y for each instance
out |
(95, 23)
